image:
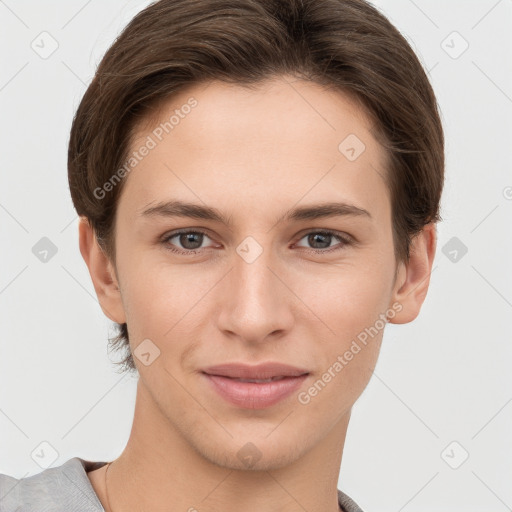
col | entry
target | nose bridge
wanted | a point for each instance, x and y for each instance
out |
(252, 276)
(257, 304)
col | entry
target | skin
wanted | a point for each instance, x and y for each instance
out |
(253, 155)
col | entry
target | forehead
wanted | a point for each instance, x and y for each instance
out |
(273, 142)
(221, 109)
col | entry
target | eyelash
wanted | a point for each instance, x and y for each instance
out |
(345, 239)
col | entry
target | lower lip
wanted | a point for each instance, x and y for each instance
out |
(254, 395)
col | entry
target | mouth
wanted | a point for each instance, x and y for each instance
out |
(261, 372)
(256, 381)
(254, 387)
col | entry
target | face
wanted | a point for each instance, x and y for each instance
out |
(275, 278)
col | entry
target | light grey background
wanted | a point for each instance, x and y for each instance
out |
(445, 377)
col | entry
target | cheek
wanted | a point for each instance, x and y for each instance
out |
(347, 297)
(353, 321)
(351, 303)
(333, 392)
(355, 316)
(161, 299)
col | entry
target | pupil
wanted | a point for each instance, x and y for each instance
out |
(189, 237)
(315, 236)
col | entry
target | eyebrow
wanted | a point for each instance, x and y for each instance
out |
(175, 208)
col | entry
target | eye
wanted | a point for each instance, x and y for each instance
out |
(190, 241)
(323, 239)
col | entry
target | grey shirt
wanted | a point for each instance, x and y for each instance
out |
(67, 488)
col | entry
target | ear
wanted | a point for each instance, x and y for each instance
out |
(102, 273)
(413, 277)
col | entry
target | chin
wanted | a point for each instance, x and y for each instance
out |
(257, 455)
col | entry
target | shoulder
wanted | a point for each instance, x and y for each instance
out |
(62, 488)
(347, 504)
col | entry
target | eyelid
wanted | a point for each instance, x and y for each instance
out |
(344, 239)
(171, 234)
(333, 232)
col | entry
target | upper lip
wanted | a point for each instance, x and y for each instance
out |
(260, 371)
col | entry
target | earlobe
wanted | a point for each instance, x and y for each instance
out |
(413, 278)
(102, 273)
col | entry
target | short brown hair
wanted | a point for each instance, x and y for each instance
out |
(347, 45)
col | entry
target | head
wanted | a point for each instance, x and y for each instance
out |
(255, 115)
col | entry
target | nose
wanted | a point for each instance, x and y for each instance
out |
(256, 302)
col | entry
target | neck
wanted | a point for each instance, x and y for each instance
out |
(177, 476)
